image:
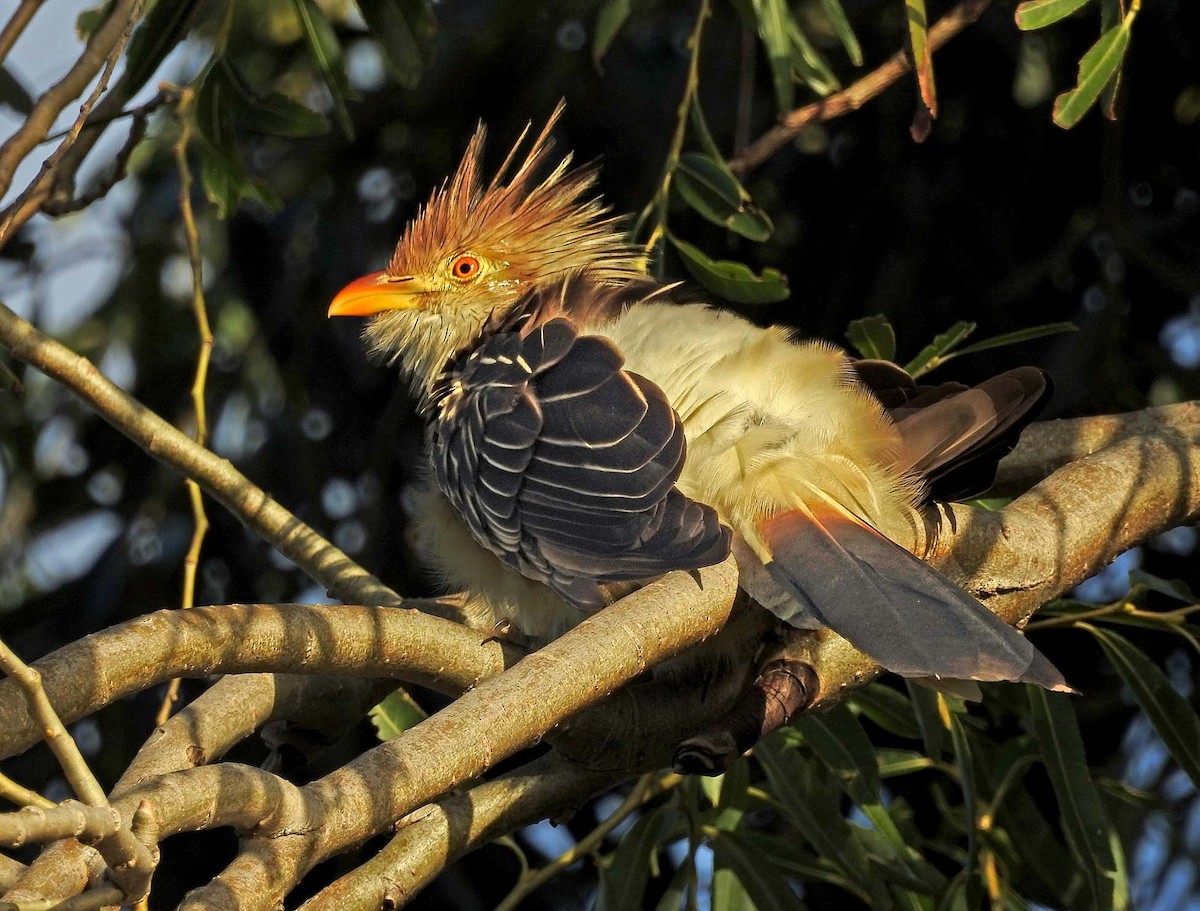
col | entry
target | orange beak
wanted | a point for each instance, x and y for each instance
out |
(377, 292)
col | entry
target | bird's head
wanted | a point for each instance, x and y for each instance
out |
(474, 248)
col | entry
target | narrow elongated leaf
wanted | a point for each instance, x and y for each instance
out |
(675, 895)
(225, 100)
(1171, 714)
(1081, 813)
(809, 64)
(774, 28)
(839, 740)
(396, 714)
(922, 53)
(407, 30)
(162, 27)
(766, 888)
(1098, 66)
(934, 353)
(1111, 12)
(893, 763)
(929, 720)
(873, 336)
(1172, 588)
(91, 19)
(609, 20)
(841, 26)
(888, 708)
(226, 182)
(733, 281)
(1040, 13)
(326, 53)
(966, 779)
(624, 875)
(709, 187)
(1013, 338)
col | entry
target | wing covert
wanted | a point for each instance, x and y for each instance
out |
(563, 464)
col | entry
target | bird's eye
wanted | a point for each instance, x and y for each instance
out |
(464, 267)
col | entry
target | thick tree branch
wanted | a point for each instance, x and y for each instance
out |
(855, 95)
(397, 643)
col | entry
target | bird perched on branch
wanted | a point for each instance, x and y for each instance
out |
(590, 426)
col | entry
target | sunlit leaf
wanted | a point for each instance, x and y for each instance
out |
(609, 20)
(708, 186)
(841, 26)
(407, 31)
(1098, 66)
(396, 714)
(809, 64)
(922, 54)
(624, 873)
(933, 354)
(873, 337)
(893, 763)
(733, 281)
(326, 53)
(774, 28)
(1111, 12)
(1080, 811)
(1171, 714)
(1040, 13)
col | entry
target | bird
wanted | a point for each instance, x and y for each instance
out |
(590, 427)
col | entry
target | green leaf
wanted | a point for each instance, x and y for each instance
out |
(922, 54)
(893, 763)
(326, 53)
(1172, 588)
(226, 182)
(703, 134)
(396, 714)
(933, 354)
(709, 187)
(609, 20)
(91, 19)
(624, 873)
(1040, 13)
(873, 336)
(841, 26)
(407, 31)
(733, 281)
(278, 115)
(888, 708)
(1172, 716)
(162, 28)
(839, 740)
(1013, 338)
(673, 898)
(1098, 66)
(929, 719)
(743, 866)
(966, 779)
(809, 64)
(1080, 811)
(1111, 12)
(226, 99)
(13, 94)
(774, 28)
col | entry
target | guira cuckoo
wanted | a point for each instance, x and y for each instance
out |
(588, 425)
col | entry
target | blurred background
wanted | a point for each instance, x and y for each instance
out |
(999, 217)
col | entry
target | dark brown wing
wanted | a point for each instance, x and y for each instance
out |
(952, 435)
(564, 465)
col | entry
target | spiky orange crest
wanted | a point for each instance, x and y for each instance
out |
(539, 230)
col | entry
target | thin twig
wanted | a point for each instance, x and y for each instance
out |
(128, 859)
(657, 206)
(21, 795)
(191, 233)
(22, 142)
(855, 95)
(16, 25)
(647, 788)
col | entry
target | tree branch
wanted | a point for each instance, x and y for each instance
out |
(856, 94)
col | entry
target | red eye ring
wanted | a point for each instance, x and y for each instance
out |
(464, 267)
